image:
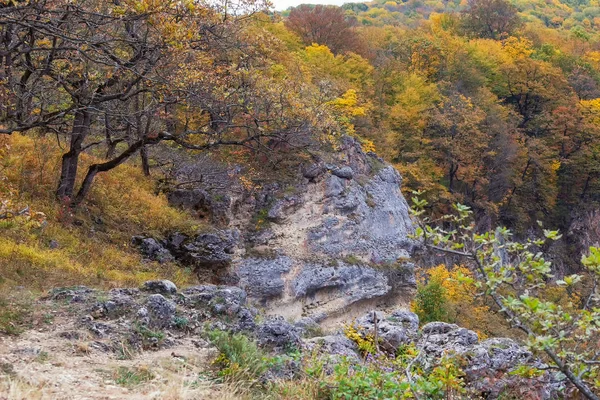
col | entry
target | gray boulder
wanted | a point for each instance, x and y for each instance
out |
(343, 172)
(408, 320)
(158, 312)
(208, 250)
(278, 334)
(391, 332)
(333, 345)
(438, 338)
(153, 249)
(160, 286)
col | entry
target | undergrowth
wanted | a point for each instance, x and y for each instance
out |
(50, 245)
(313, 375)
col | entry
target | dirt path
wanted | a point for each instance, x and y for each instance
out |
(60, 361)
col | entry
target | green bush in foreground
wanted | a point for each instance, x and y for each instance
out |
(518, 279)
(378, 376)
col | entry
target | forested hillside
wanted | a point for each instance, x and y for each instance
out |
(488, 103)
(491, 103)
(223, 143)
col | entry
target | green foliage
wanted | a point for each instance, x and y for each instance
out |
(520, 280)
(431, 302)
(363, 382)
(130, 377)
(239, 358)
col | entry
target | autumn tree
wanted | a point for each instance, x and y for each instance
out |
(326, 25)
(70, 65)
(490, 18)
(112, 73)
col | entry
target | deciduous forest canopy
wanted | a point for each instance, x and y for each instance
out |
(488, 102)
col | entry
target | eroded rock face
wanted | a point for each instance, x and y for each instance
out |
(341, 241)
(330, 246)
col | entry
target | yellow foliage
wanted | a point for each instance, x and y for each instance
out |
(87, 253)
(365, 343)
(346, 107)
(461, 296)
(518, 47)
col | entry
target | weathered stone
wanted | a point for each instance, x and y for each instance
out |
(152, 249)
(278, 334)
(209, 250)
(343, 172)
(335, 186)
(438, 338)
(353, 282)
(408, 320)
(75, 294)
(219, 299)
(160, 311)
(313, 171)
(333, 345)
(161, 286)
(262, 278)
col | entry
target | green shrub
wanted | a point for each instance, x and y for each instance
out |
(130, 377)
(430, 303)
(239, 358)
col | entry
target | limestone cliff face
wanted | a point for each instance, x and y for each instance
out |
(338, 246)
(330, 245)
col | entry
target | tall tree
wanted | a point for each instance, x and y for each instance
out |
(99, 72)
(325, 25)
(490, 18)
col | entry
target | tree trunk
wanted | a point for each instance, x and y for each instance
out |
(145, 162)
(94, 169)
(70, 160)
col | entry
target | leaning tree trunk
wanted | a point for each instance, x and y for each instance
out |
(70, 160)
(95, 169)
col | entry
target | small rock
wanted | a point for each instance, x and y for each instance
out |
(160, 311)
(53, 244)
(278, 334)
(343, 172)
(162, 286)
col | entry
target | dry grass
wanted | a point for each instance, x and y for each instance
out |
(17, 389)
(94, 244)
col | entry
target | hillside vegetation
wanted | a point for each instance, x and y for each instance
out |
(489, 109)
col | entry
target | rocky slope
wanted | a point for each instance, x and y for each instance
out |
(94, 336)
(330, 245)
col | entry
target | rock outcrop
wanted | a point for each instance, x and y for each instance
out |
(489, 365)
(330, 246)
(158, 316)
